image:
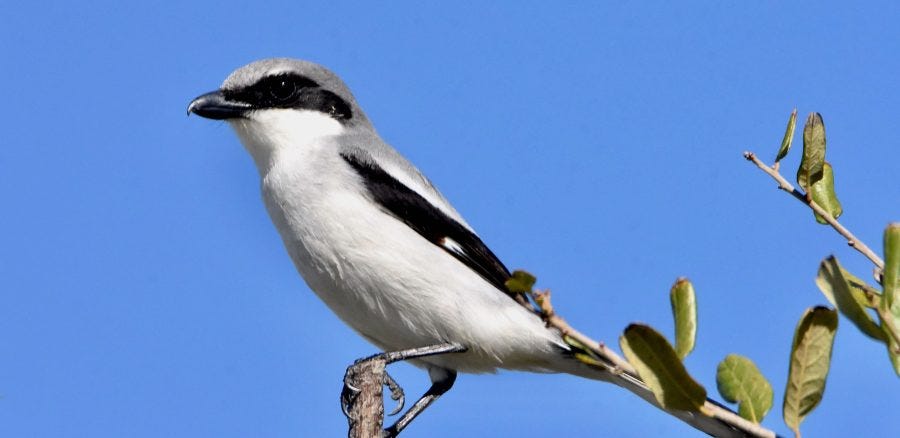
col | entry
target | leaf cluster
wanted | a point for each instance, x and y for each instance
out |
(876, 313)
(660, 365)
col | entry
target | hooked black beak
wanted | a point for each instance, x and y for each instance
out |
(214, 105)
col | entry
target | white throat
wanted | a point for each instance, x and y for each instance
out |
(269, 133)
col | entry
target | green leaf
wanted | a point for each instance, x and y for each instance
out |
(521, 282)
(810, 360)
(823, 193)
(739, 381)
(850, 302)
(895, 357)
(659, 367)
(862, 289)
(813, 161)
(788, 137)
(684, 311)
(890, 301)
(584, 354)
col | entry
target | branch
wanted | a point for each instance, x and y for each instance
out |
(783, 184)
(720, 422)
(364, 409)
(362, 397)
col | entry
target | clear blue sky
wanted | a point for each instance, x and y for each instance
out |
(144, 292)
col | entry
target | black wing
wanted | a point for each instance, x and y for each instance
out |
(429, 221)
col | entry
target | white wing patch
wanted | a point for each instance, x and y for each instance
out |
(451, 245)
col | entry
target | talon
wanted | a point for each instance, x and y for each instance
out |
(348, 393)
(396, 393)
(345, 405)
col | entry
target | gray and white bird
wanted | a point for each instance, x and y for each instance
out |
(371, 236)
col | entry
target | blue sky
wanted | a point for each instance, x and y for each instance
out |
(145, 293)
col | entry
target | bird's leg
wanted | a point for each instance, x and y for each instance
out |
(438, 388)
(442, 380)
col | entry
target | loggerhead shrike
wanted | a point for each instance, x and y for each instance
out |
(371, 236)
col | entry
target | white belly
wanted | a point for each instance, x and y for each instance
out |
(390, 284)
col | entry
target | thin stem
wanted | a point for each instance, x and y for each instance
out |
(783, 184)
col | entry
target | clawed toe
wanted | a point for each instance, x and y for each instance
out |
(396, 393)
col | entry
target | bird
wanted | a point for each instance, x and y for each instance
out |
(371, 235)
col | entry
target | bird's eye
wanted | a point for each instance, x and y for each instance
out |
(282, 89)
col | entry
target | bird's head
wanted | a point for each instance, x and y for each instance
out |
(282, 103)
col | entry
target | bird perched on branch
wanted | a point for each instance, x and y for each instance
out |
(372, 237)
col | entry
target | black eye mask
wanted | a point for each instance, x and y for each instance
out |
(291, 91)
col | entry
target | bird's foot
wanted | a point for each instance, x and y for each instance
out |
(358, 381)
(350, 391)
